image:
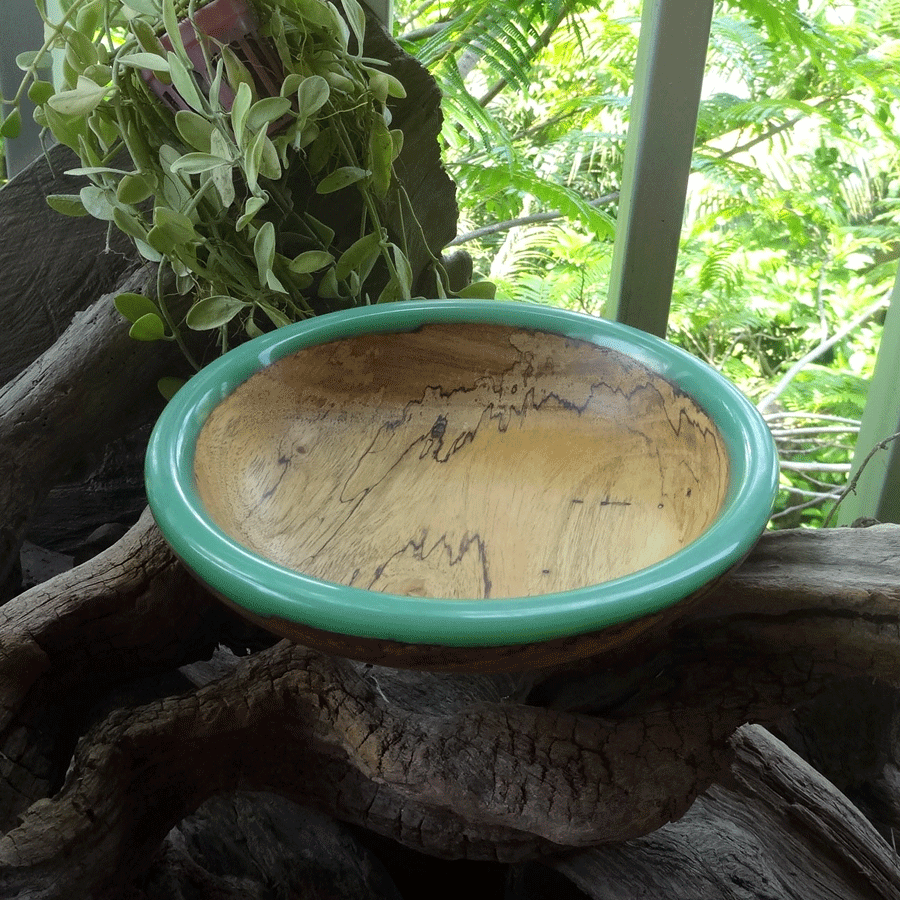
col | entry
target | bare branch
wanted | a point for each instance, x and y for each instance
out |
(535, 219)
(817, 351)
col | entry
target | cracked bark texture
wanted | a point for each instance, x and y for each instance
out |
(459, 766)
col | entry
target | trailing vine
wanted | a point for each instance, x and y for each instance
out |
(235, 133)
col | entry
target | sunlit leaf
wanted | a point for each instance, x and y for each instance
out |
(87, 96)
(211, 312)
(195, 163)
(149, 327)
(148, 61)
(133, 306)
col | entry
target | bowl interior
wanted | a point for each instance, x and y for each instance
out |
(461, 460)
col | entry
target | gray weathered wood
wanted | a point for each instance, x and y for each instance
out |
(761, 837)
(52, 265)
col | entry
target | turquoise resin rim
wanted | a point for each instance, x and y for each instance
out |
(267, 589)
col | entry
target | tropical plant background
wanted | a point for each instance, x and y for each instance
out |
(790, 241)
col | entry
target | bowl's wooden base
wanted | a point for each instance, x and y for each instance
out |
(485, 660)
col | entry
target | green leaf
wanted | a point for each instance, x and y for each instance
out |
(97, 201)
(315, 12)
(67, 204)
(81, 51)
(253, 330)
(252, 159)
(12, 125)
(96, 170)
(133, 306)
(147, 37)
(84, 98)
(147, 251)
(324, 232)
(341, 178)
(392, 292)
(328, 286)
(381, 155)
(169, 386)
(148, 327)
(404, 271)
(129, 224)
(236, 72)
(195, 129)
(144, 7)
(40, 92)
(171, 230)
(269, 161)
(265, 111)
(222, 176)
(395, 87)
(133, 188)
(357, 21)
(195, 163)
(239, 109)
(212, 312)
(184, 83)
(478, 290)
(264, 251)
(170, 21)
(312, 95)
(276, 316)
(33, 59)
(145, 61)
(251, 208)
(290, 84)
(89, 19)
(359, 256)
(310, 261)
(397, 141)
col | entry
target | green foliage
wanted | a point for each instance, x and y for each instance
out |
(791, 227)
(209, 182)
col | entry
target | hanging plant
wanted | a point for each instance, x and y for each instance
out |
(245, 122)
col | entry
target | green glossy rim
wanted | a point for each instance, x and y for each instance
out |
(267, 589)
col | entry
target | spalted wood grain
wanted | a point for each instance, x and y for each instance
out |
(466, 461)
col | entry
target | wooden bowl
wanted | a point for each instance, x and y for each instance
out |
(459, 484)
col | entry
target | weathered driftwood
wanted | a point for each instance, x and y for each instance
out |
(466, 773)
(766, 831)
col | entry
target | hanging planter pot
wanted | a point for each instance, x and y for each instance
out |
(222, 23)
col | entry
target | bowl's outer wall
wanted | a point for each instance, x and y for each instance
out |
(268, 590)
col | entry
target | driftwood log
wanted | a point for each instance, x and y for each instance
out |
(152, 745)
